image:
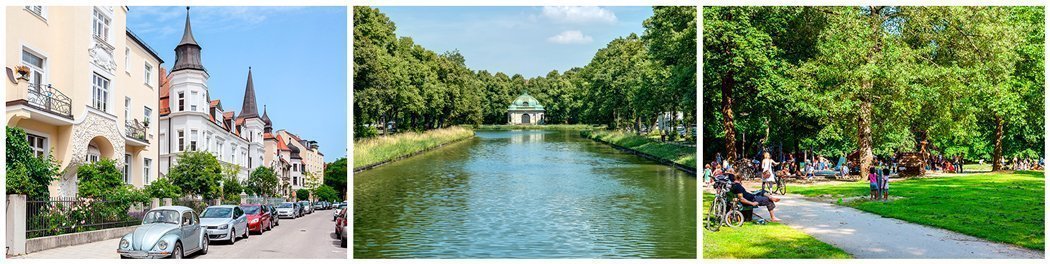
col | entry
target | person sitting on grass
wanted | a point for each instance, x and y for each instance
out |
(874, 182)
(748, 198)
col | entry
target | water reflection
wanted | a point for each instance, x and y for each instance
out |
(524, 194)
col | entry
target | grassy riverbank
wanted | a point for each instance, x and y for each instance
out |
(379, 149)
(769, 241)
(534, 127)
(682, 155)
(1001, 206)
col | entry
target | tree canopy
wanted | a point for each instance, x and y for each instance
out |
(197, 173)
(874, 80)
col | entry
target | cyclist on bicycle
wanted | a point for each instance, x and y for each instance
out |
(759, 199)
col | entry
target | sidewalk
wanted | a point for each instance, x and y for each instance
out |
(866, 235)
(105, 249)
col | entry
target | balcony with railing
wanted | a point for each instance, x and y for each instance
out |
(136, 131)
(46, 99)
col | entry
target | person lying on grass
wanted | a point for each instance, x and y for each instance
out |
(748, 198)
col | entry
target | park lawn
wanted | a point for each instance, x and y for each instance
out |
(534, 127)
(378, 149)
(987, 167)
(769, 241)
(682, 155)
(1002, 206)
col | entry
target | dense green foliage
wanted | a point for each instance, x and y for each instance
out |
(197, 173)
(1002, 207)
(627, 84)
(262, 181)
(163, 188)
(326, 193)
(835, 80)
(680, 154)
(769, 241)
(335, 175)
(302, 194)
(375, 150)
(26, 173)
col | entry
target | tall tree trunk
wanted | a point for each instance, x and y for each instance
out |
(864, 115)
(727, 115)
(997, 155)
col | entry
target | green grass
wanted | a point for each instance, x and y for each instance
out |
(769, 241)
(977, 167)
(534, 127)
(384, 148)
(683, 155)
(1003, 206)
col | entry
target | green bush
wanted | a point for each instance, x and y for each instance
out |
(326, 193)
(302, 194)
(26, 173)
(163, 188)
(263, 181)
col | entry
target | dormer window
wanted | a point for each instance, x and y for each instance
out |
(525, 103)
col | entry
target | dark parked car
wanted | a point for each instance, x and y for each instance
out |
(273, 215)
(340, 227)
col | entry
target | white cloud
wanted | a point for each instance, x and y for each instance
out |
(579, 14)
(570, 37)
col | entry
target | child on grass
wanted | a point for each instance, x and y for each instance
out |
(884, 186)
(873, 180)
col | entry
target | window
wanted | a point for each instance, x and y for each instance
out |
(127, 168)
(38, 144)
(146, 113)
(35, 63)
(193, 140)
(127, 60)
(220, 150)
(182, 140)
(149, 74)
(193, 101)
(145, 170)
(100, 27)
(182, 101)
(207, 141)
(100, 92)
(127, 108)
(36, 10)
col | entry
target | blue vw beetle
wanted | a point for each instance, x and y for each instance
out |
(167, 231)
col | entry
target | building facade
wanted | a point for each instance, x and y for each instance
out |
(84, 88)
(191, 121)
(306, 159)
(525, 110)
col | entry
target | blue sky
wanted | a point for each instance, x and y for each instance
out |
(298, 57)
(530, 41)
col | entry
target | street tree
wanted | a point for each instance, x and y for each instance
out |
(326, 193)
(197, 173)
(335, 175)
(302, 194)
(263, 181)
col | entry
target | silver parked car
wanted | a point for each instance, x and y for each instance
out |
(225, 222)
(288, 209)
(167, 231)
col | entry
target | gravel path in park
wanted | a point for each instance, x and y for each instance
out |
(866, 235)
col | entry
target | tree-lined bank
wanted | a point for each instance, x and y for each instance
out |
(628, 84)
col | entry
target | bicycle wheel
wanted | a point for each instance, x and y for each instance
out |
(783, 188)
(734, 219)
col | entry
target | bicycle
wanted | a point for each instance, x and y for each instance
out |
(776, 187)
(716, 215)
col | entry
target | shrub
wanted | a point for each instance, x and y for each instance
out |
(302, 194)
(197, 173)
(26, 173)
(163, 188)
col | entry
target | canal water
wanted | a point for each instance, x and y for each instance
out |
(524, 194)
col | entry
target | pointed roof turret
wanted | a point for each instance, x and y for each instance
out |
(267, 125)
(188, 52)
(249, 108)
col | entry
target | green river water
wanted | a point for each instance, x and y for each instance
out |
(524, 194)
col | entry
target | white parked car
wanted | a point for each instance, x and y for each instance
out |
(225, 222)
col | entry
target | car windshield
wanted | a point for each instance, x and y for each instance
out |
(250, 209)
(318, 203)
(161, 216)
(341, 206)
(285, 205)
(217, 212)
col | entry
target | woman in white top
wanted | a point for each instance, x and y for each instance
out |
(767, 167)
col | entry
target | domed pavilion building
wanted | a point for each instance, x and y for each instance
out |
(525, 110)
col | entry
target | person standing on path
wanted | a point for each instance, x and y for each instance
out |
(707, 173)
(767, 171)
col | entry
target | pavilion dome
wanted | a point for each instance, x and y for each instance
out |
(526, 102)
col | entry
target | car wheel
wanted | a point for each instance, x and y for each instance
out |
(205, 243)
(233, 239)
(123, 257)
(177, 252)
(342, 242)
(245, 235)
